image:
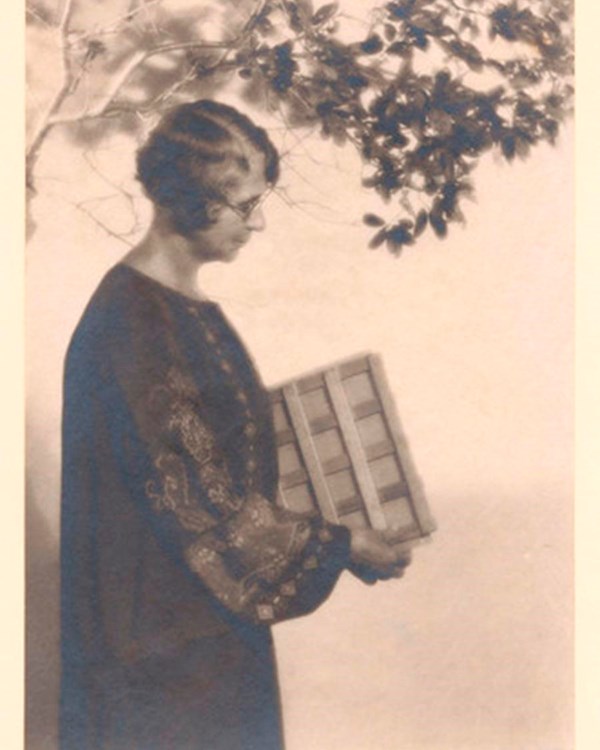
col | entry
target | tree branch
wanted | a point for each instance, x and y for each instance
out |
(462, 9)
(102, 225)
(38, 16)
(113, 25)
(45, 121)
(142, 56)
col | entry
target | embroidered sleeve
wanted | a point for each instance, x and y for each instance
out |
(260, 561)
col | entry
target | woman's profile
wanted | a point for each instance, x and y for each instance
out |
(175, 559)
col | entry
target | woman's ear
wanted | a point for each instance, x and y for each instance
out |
(212, 209)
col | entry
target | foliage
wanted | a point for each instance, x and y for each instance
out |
(423, 90)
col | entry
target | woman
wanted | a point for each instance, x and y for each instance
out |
(175, 559)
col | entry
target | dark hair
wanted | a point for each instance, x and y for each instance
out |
(188, 159)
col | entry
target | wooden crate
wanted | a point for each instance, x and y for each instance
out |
(342, 452)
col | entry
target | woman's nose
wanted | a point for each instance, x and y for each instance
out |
(256, 221)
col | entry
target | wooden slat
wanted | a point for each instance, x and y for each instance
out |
(281, 500)
(285, 437)
(366, 409)
(379, 450)
(354, 448)
(309, 453)
(276, 396)
(354, 367)
(335, 464)
(418, 503)
(350, 505)
(393, 492)
(404, 534)
(299, 476)
(320, 424)
(309, 383)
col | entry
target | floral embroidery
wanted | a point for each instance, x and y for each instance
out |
(288, 589)
(242, 546)
(184, 422)
(265, 612)
(174, 492)
(325, 535)
(195, 520)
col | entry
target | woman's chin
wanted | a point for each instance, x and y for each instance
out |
(236, 247)
(230, 254)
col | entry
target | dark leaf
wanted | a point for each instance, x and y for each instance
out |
(400, 10)
(265, 26)
(378, 239)
(522, 147)
(442, 79)
(389, 31)
(294, 16)
(325, 13)
(394, 248)
(372, 220)
(324, 109)
(509, 146)
(419, 37)
(421, 223)
(95, 48)
(398, 48)
(372, 45)
(438, 223)
(465, 23)
(449, 198)
(551, 128)
(467, 52)
(357, 81)
(400, 234)
(504, 23)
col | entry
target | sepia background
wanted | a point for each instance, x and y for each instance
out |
(473, 649)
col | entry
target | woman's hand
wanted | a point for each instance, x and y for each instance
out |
(373, 559)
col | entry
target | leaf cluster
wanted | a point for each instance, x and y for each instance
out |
(419, 125)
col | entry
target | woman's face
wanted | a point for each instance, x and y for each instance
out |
(235, 218)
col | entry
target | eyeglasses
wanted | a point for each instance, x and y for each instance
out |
(247, 208)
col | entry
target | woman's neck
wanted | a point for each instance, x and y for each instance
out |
(164, 256)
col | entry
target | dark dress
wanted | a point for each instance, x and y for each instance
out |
(175, 559)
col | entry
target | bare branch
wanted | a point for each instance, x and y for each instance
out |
(119, 188)
(113, 26)
(62, 93)
(31, 11)
(462, 9)
(177, 86)
(102, 225)
(142, 56)
(63, 26)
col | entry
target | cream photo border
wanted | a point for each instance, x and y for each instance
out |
(12, 392)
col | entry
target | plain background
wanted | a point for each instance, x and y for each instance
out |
(447, 570)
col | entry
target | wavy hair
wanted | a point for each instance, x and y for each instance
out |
(195, 154)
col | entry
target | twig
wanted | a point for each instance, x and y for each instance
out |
(468, 10)
(177, 86)
(103, 226)
(119, 188)
(45, 122)
(142, 56)
(113, 26)
(51, 118)
(38, 16)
